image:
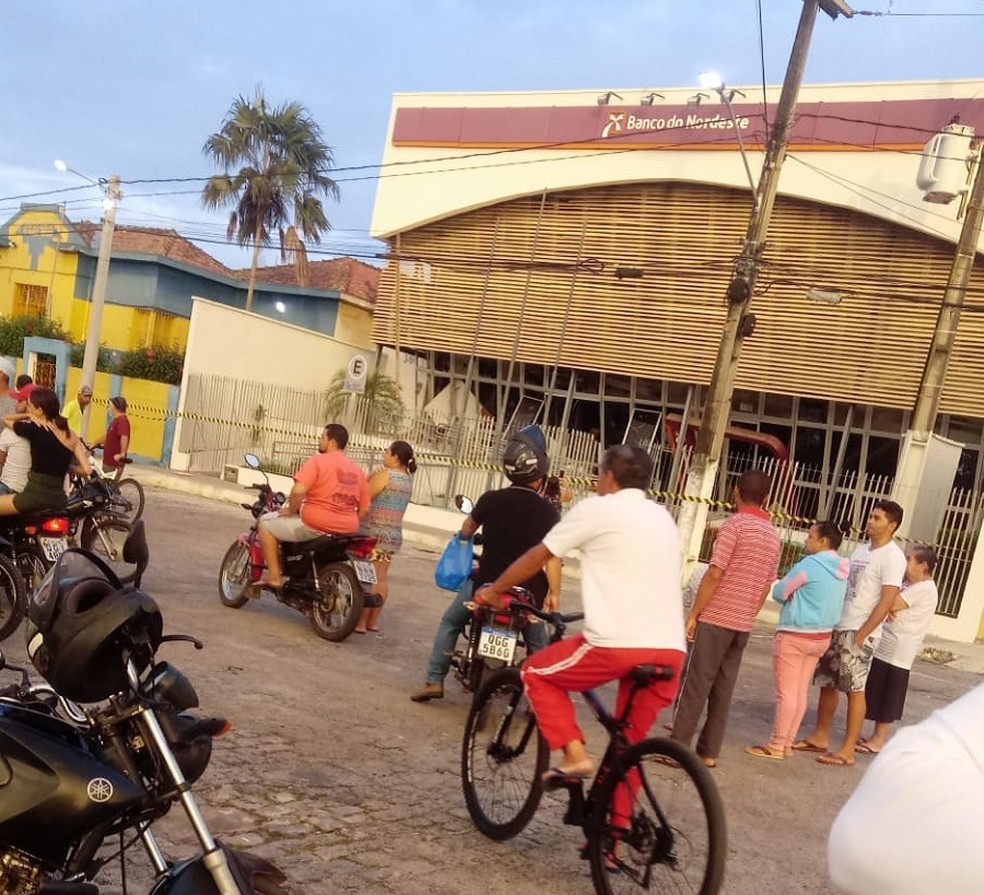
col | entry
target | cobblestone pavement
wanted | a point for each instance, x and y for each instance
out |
(332, 773)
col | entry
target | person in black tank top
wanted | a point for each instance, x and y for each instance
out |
(53, 446)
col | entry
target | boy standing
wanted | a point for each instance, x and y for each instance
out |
(743, 566)
(901, 640)
(877, 569)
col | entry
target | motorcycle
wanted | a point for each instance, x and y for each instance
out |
(76, 778)
(30, 545)
(328, 579)
(493, 637)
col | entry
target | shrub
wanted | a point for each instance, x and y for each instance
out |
(13, 331)
(156, 363)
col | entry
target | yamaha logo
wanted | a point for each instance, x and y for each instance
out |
(99, 789)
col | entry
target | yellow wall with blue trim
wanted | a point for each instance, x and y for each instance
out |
(33, 260)
(147, 402)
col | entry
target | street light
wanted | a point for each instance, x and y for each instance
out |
(112, 195)
(710, 80)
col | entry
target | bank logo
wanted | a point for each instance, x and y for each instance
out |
(614, 126)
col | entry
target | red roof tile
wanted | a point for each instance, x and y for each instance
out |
(154, 241)
(346, 275)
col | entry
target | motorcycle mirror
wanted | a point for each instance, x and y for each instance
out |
(252, 461)
(463, 503)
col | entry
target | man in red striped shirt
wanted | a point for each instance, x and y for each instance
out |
(744, 564)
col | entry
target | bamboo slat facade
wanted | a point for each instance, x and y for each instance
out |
(536, 279)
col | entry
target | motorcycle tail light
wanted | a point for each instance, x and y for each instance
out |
(30, 530)
(361, 549)
(55, 526)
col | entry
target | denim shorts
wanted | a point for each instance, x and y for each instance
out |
(844, 666)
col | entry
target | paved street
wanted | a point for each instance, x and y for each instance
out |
(332, 773)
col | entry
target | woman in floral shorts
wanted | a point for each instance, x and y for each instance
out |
(390, 487)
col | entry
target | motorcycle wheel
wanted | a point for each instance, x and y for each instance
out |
(336, 609)
(33, 566)
(105, 537)
(234, 576)
(13, 597)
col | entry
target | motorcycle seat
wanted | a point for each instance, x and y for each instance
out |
(325, 540)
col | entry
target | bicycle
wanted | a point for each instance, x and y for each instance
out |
(127, 494)
(666, 835)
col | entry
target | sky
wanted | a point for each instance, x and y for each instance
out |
(134, 87)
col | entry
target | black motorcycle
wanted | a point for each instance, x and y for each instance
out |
(74, 779)
(329, 579)
(494, 638)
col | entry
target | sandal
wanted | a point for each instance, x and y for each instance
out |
(764, 752)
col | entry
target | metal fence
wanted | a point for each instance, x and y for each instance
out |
(224, 418)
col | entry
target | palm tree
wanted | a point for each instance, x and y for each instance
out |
(381, 401)
(283, 168)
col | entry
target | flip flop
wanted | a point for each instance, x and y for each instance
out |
(373, 630)
(557, 776)
(357, 631)
(863, 748)
(806, 746)
(266, 585)
(764, 752)
(834, 761)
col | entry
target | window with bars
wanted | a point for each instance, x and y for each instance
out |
(30, 300)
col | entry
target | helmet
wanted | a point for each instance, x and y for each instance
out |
(82, 625)
(525, 459)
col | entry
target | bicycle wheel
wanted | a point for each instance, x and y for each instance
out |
(502, 757)
(131, 495)
(658, 824)
(105, 537)
(13, 597)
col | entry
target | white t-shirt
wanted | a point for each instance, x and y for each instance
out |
(902, 637)
(870, 571)
(913, 825)
(18, 463)
(630, 570)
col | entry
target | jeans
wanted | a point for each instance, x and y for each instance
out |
(4, 489)
(453, 624)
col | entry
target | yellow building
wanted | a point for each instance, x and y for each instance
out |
(47, 268)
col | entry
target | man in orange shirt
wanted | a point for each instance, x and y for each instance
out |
(330, 496)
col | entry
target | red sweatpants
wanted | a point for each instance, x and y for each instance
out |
(573, 666)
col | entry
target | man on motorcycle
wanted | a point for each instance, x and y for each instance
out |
(330, 496)
(513, 519)
(633, 610)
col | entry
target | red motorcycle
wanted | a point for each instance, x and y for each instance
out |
(329, 579)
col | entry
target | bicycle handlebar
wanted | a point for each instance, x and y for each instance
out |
(523, 601)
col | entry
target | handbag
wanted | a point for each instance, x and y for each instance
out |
(455, 564)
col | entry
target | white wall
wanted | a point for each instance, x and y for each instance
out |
(224, 341)
(881, 184)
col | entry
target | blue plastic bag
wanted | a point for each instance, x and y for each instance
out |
(455, 564)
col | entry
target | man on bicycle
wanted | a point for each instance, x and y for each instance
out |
(633, 609)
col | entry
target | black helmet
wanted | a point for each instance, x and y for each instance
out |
(525, 459)
(82, 624)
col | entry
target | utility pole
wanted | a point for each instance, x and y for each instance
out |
(912, 463)
(739, 324)
(91, 355)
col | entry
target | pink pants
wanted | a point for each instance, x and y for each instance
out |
(573, 665)
(794, 659)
